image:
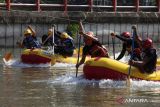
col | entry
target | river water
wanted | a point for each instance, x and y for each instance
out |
(23, 85)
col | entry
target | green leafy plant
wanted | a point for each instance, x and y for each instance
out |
(72, 29)
(2, 1)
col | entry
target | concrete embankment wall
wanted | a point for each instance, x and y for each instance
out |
(12, 24)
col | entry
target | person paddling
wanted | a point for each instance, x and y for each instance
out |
(127, 46)
(66, 46)
(63, 43)
(30, 41)
(47, 39)
(92, 46)
(149, 56)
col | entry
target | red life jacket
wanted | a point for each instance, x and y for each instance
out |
(98, 51)
(137, 51)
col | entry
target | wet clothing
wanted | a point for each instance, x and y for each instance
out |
(127, 46)
(66, 48)
(95, 50)
(31, 42)
(63, 47)
(150, 57)
(49, 42)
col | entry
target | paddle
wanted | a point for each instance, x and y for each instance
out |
(45, 40)
(129, 70)
(79, 43)
(113, 42)
(82, 30)
(50, 36)
(8, 56)
(53, 40)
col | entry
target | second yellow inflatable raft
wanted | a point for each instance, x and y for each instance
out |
(105, 68)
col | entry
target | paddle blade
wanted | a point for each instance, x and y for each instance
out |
(76, 72)
(53, 59)
(8, 56)
(128, 82)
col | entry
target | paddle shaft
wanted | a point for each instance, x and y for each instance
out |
(113, 42)
(129, 70)
(45, 40)
(79, 42)
(53, 30)
(81, 28)
(53, 39)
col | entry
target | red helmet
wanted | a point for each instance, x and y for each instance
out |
(126, 34)
(147, 43)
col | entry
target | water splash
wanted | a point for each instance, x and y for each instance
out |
(63, 65)
(70, 79)
(144, 85)
(124, 59)
(18, 63)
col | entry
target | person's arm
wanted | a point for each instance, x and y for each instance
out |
(81, 61)
(137, 38)
(122, 52)
(84, 54)
(81, 28)
(120, 37)
(140, 63)
(82, 31)
(57, 33)
(33, 31)
(146, 59)
(137, 63)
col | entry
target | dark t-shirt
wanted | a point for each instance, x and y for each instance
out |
(150, 57)
(127, 43)
(68, 45)
(31, 42)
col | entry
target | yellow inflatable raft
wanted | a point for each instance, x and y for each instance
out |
(105, 68)
(39, 56)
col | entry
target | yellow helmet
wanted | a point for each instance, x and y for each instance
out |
(27, 31)
(64, 35)
(50, 32)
